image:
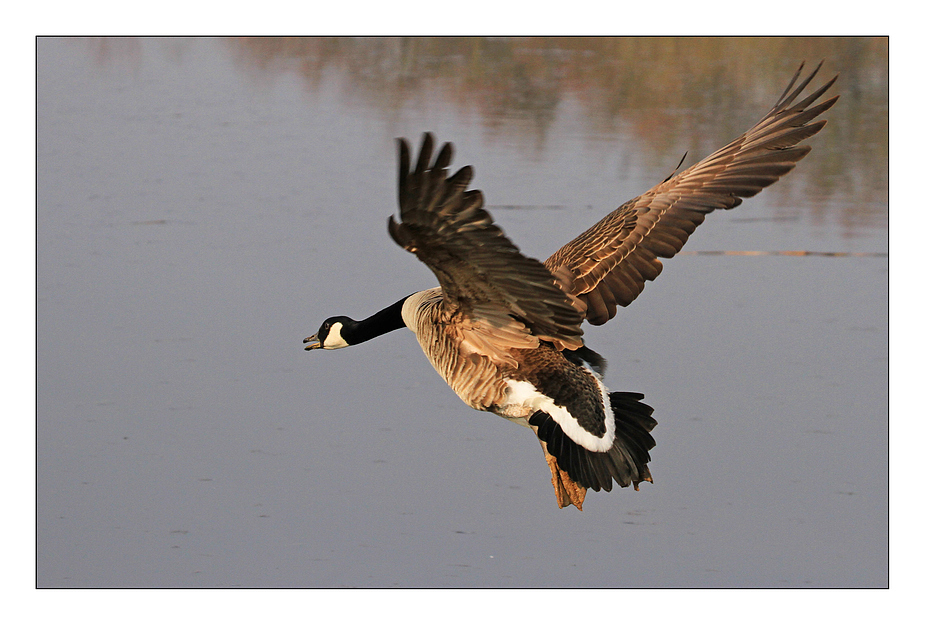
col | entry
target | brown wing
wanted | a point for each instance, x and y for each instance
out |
(608, 265)
(496, 294)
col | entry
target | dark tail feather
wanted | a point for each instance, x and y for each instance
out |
(626, 462)
(634, 423)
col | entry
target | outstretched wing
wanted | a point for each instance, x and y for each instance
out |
(608, 265)
(498, 298)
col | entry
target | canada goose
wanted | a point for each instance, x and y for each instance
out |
(504, 330)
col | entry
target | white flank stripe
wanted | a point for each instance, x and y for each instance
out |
(523, 393)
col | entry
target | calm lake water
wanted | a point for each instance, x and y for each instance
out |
(203, 204)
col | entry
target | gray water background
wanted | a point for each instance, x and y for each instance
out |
(203, 204)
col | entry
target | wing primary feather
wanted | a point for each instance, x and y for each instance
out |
(786, 102)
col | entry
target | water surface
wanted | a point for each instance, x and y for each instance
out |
(204, 204)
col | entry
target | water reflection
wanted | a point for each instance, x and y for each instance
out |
(665, 95)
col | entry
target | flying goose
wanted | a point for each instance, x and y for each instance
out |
(504, 330)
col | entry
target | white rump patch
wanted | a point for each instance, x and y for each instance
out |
(522, 393)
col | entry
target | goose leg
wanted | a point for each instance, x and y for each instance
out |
(567, 491)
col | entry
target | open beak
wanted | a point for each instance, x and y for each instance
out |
(312, 342)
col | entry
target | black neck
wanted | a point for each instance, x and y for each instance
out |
(385, 320)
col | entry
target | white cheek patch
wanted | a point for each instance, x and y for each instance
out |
(523, 393)
(334, 340)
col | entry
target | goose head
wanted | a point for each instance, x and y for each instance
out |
(332, 334)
